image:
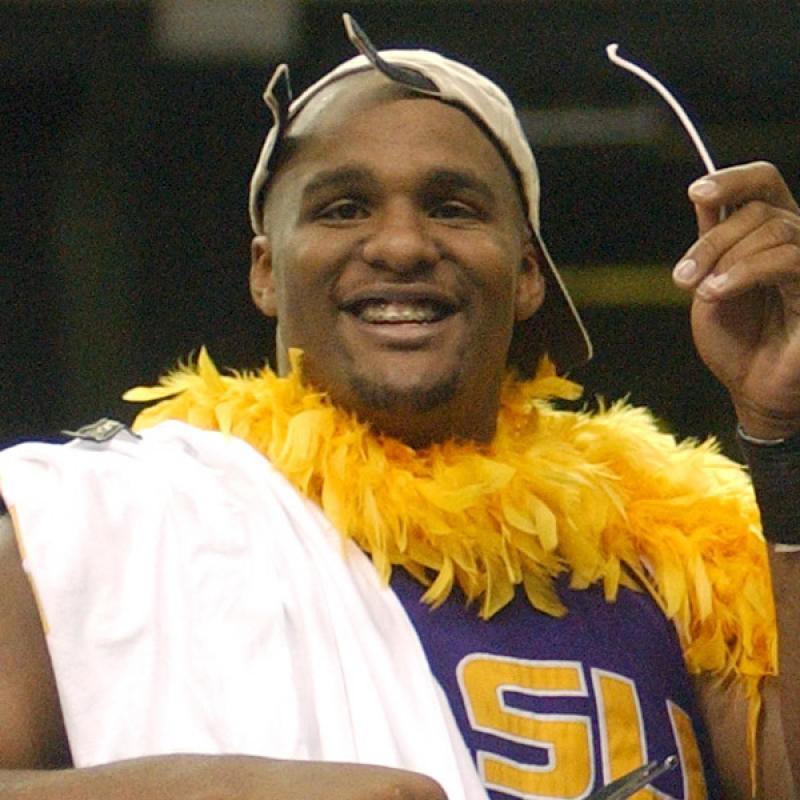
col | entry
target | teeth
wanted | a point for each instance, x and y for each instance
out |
(399, 312)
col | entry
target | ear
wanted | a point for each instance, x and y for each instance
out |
(530, 284)
(262, 277)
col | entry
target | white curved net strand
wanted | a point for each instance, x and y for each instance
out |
(617, 59)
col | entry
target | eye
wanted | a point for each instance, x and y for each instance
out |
(344, 210)
(456, 210)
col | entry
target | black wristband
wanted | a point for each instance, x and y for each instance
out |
(775, 472)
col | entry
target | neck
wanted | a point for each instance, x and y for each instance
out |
(423, 429)
(424, 418)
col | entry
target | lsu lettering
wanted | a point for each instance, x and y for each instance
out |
(488, 684)
(553, 708)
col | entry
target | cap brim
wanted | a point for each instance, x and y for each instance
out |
(556, 329)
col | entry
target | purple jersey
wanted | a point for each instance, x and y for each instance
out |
(555, 708)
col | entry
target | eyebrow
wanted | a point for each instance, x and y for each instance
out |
(340, 177)
(453, 180)
(438, 179)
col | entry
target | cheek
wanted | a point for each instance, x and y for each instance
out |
(496, 285)
(301, 275)
(304, 284)
(497, 274)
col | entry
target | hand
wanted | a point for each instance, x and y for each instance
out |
(197, 777)
(262, 779)
(745, 274)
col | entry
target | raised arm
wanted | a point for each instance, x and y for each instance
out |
(35, 762)
(744, 270)
(786, 580)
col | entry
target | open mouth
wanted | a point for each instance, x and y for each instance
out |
(380, 311)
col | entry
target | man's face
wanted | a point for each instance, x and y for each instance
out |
(397, 259)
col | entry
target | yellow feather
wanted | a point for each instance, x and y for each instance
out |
(607, 497)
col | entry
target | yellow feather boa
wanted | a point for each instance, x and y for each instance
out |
(606, 497)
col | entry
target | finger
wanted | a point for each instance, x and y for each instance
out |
(757, 226)
(702, 257)
(778, 267)
(778, 228)
(742, 184)
(707, 218)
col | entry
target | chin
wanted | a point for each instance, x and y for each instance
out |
(420, 398)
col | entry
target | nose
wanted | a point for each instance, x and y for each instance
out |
(400, 240)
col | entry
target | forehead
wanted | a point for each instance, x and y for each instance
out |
(365, 117)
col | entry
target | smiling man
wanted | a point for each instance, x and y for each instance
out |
(391, 568)
(403, 218)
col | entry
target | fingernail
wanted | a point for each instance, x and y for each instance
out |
(714, 282)
(705, 189)
(686, 270)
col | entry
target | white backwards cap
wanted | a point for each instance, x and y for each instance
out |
(557, 327)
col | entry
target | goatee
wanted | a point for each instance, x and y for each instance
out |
(421, 399)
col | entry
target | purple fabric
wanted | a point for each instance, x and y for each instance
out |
(630, 638)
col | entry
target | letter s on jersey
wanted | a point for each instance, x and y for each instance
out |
(564, 741)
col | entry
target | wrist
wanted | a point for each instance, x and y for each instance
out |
(755, 423)
(774, 465)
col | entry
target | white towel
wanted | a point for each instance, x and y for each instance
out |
(196, 602)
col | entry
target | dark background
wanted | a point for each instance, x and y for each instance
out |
(124, 162)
